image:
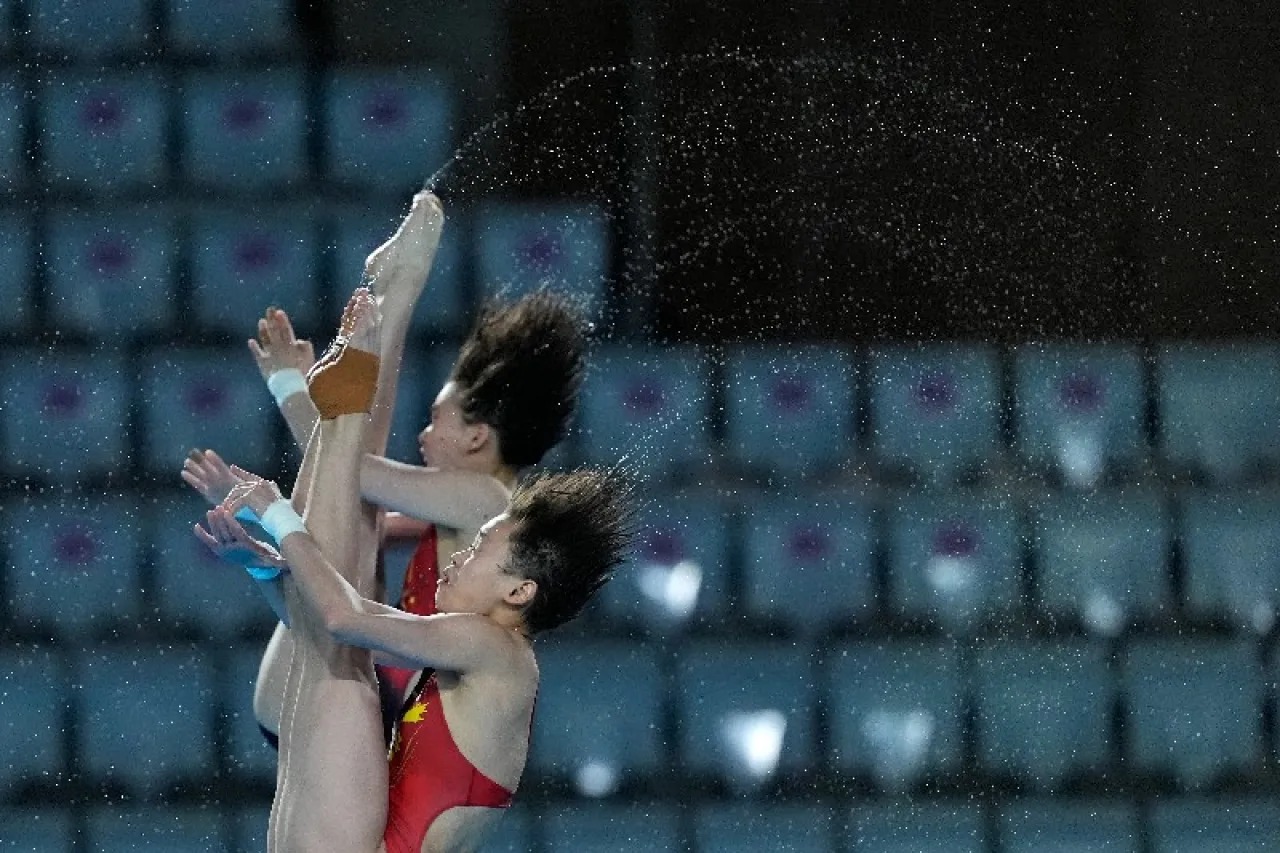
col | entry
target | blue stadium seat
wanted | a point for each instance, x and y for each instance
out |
(423, 372)
(67, 414)
(789, 410)
(109, 29)
(248, 755)
(1219, 406)
(387, 130)
(735, 699)
(894, 712)
(809, 561)
(111, 273)
(13, 98)
(1214, 825)
(34, 694)
(599, 714)
(1036, 825)
(607, 828)
(245, 130)
(191, 586)
(249, 827)
(678, 565)
(521, 246)
(243, 261)
(73, 563)
(204, 398)
(917, 827)
(146, 716)
(1079, 409)
(648, 404)
(17, 261)
(742, 828)
(1231, 545)
(1103, 557)
(513, 833)
(1044, 709)
(445, 306)
(7, 32)
(953, 558)
(156, 829)
(104, 131)
(230, 29)
(935, 409)
(37, 828)
(1194, 707)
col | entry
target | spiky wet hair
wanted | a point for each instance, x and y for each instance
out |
(569, 532)
(520, 371)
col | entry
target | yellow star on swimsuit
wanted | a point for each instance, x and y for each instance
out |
(415, 714)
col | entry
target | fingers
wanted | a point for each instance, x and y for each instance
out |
(209, 541)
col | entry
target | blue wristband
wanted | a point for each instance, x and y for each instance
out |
(263, 573)
(246, 514)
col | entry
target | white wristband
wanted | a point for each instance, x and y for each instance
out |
(283, 384)
(280, 520)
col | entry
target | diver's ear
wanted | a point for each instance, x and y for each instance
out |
(521, 593)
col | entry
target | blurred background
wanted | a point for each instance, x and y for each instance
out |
(943, 341)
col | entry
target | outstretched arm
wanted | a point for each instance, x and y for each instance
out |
(232, 543)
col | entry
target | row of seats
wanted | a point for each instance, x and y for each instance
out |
(136, 29)
(111, 274)
(1172, 825)
(120, 131)
(803, 565)
(743, 713)
(788, 411)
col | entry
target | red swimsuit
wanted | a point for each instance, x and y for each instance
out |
(428, 773)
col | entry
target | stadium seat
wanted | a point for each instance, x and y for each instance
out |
(790, 411)
(103, 131)
(204, 398)
(1231, 548)
(192, 587)
(1194, 707)
(1219, 406)
(146, 716)
(599, 714)
(743, 828)
(34, 696)
(1036, 825)
(155, 829)
(73, 564)
(678, 566)
(1214, 825)
(607, 828)
(111, 273)
(230, 29)
(1103, 558)
(917, 827)
(935, 409)
(17, 262)
(953, 559)
(513, 833)
(746, 709)
(247, 753)
(244, 130)
(522, 246)
(1043, 709)
(894, 712)
(243, 261)
(114, 28)
(37, 828)
(809, 561)
(1079, 409)
(648, 404)
(13, 127)
(423, 372)
(387, 131)
(66, 414)
(445, 305)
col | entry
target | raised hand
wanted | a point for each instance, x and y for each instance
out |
(229, 541)
(252, 491)
(204, 471)
(277, 347)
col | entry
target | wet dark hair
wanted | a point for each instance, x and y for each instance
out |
(569, 532)
(520, 371)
